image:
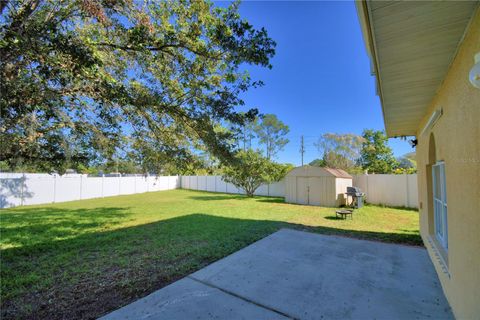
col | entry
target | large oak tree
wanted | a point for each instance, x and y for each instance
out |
(86, 80)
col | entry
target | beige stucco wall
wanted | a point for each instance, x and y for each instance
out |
(457, 141)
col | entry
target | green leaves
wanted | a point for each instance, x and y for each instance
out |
(250, 170)
(162, 74)
(271, 133)
(339, 150)
(376, 156)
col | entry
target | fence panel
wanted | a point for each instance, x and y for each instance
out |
(92, 187)
(202, 183)
(221, 184)
(18, 189)
(185, 182)
(211, 183)
(174, 182)
(232, 189)
(111, 186)
(141, 184)
(216, 184)
(262, 190)
(38, 190)
(11, 190)
(153, 184)
(412, 191)
(127, 186)
(389, 189)
(66, 188)
(162, 183)
(194, 182)
(277, 189)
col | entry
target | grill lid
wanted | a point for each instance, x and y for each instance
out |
(355, 191)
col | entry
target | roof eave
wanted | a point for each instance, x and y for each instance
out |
(369, 40)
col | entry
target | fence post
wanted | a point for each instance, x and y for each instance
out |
(81, 183)
(119, 184)
(54, 187)
(24, 180)
(103, 182)
(366, 182)
(407, 200)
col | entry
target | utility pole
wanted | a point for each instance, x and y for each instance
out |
(302, 148)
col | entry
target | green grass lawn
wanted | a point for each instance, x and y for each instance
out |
(82, 259)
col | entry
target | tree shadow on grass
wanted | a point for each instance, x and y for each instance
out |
(225, 196)
(28, 226)
(392, 207)
(230, 196)
(271, 200)
(94, 273)
(334, 218)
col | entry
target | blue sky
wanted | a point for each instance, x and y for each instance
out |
(320, 81)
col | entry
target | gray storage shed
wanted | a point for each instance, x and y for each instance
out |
(317, 186)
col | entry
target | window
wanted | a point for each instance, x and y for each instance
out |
(440, 203)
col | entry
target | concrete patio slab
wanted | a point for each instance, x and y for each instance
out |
(189, 299)
(302, 275)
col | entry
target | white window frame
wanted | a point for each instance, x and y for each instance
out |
(439, 192)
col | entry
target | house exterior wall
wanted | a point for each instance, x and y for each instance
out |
(455, 139)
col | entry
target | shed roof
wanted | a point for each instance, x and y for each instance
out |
(311, 171)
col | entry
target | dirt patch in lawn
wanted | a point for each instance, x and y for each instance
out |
(89, 298)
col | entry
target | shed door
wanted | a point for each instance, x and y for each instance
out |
(302, 190)
(315, 191)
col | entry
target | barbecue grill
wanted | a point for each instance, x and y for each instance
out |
(357, 196)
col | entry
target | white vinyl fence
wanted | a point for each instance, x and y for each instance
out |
(384, 189)
(389, 189)
(216, 184)
(18, 189)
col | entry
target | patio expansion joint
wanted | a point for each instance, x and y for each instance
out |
(243, 298)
